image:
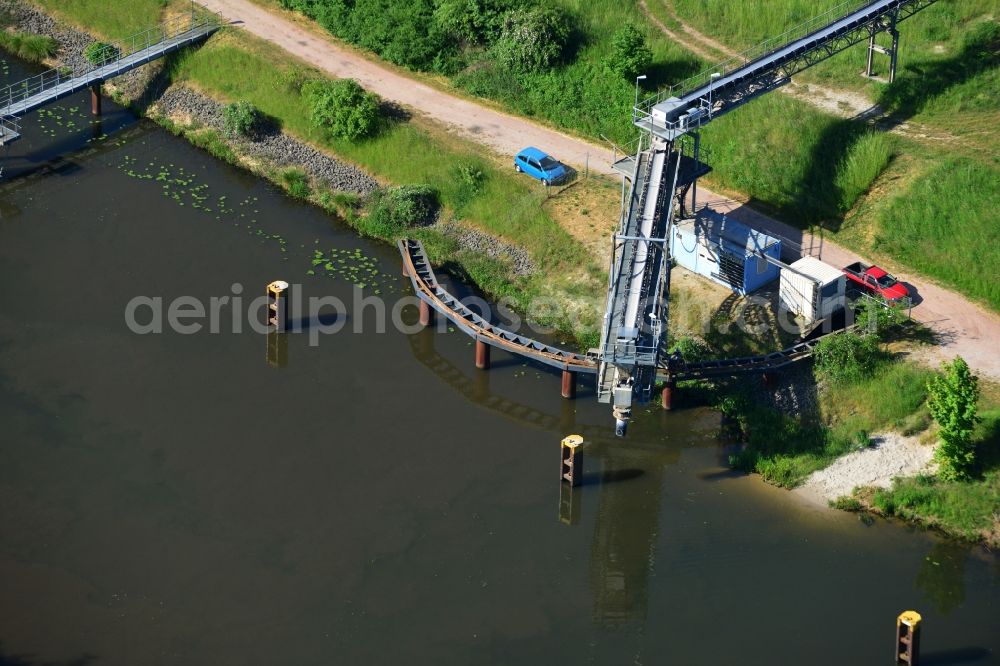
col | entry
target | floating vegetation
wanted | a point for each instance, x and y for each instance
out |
(182, 186)
(352, 266)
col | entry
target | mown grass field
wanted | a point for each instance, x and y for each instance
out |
(112, 20)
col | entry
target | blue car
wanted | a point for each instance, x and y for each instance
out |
(538, 165)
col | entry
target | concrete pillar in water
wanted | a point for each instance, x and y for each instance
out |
(667, 397)
(568, 384)
(95, 99)
(277, 305)
(482, 355)
(908, 638)
(426, 314)
(571, 460)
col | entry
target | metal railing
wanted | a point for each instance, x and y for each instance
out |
(108, 56)
(9, 129)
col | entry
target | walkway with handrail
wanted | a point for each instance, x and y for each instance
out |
(34, 92)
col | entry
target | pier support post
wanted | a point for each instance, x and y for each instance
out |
(426, 314)
(568, 384)
(667, 397)
(95, 99)
(277, 305)
(571, 460)
(482, 355)
(406, 273)
(768, 379)
(908, 639)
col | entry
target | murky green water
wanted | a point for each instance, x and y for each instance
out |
(175, 499)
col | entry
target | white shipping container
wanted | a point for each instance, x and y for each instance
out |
(812, 289)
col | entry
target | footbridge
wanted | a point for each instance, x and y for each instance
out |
(114, 60)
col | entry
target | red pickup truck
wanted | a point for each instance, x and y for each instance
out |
(876, 281)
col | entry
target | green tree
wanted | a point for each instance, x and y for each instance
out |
(532, 39)
(630, 56)
(241, 119)
(953, 397)
(343, 108)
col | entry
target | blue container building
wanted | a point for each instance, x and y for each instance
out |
(726, 251)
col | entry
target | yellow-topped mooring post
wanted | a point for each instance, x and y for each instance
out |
(277, 305)
(570, 473)
(571, 465)
(908, 638)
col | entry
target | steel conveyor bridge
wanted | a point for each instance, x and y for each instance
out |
(730, 84)
(632, 354)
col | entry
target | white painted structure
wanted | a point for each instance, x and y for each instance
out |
(812, 289)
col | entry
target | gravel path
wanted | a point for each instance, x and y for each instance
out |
(889, 456)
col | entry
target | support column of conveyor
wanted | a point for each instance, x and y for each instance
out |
(633, 320)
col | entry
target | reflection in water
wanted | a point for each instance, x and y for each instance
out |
(621, 553)
(630, 480)
(942, 576)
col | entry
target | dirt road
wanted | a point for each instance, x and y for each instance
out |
(965, 328)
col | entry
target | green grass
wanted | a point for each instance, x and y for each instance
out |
(935, 33)
(121, 20)
(784, 449)
(808, 166)
(402, 153)
(408, 152)
(969, 509)
(944, 225)
(34, 48)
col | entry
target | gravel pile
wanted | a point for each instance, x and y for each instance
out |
(481, 242)
(277, 148)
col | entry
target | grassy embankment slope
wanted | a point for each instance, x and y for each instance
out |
(405, 151)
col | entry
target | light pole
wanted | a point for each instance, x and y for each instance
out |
(641, 77)
(711, 82)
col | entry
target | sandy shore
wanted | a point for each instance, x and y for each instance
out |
(889, 456)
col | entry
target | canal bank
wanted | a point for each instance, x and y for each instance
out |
(175, 499)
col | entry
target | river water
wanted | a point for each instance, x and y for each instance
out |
(188, 499)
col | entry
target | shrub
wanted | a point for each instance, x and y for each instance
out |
(296, 182)
(953, 397)
(532, 39)
(469, 178)
(343, 108)
(401, 208)
(691, 349)
(877, 317)
(630, 56)
(474, 21)
(34, 48)
(241, 119)
(848, 356)
(98, 53)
